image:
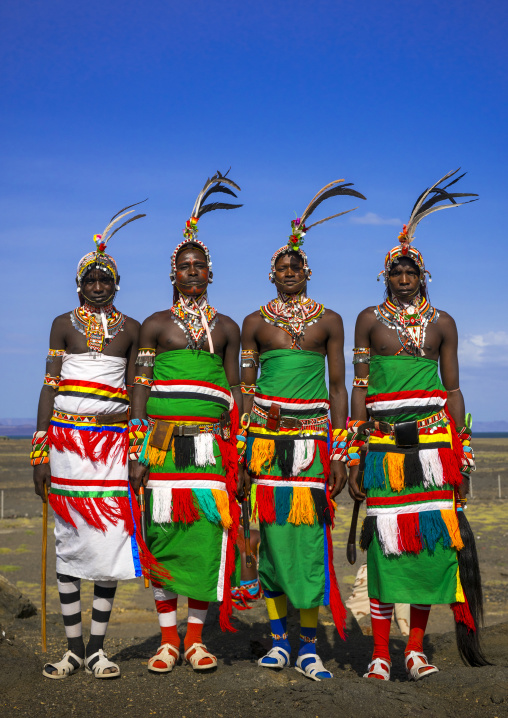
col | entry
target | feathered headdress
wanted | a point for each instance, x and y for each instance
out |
(98, 259)
(218, 183)
(427, 203)
(298, 228)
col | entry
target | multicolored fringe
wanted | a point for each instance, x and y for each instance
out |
(97, 443)
(412, 532)
(293, 455)
(411, 469)
(125, 509)
(292, 504)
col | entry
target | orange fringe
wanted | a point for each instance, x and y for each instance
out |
(393, 467)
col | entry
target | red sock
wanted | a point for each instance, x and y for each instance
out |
(418, 623)
(166, 610)
(195, 622)
(381, 619)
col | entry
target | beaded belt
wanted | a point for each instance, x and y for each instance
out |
(319, 423)
(421, 423)
(121, 417)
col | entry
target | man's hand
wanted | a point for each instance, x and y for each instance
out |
(41, 476)
(337, 479)
(137, 474)
(243, 481)
(354, 490)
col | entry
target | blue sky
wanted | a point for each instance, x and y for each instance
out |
(106, 103)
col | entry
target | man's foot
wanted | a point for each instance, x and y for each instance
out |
(417, 666)
(200, 657)
(379, 668)
(277, 657)
(310, 665)
(100, 666)
(165, 659)
(69, 664)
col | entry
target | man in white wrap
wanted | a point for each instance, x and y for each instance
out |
(82, 429)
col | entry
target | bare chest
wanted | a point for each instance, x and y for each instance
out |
(79, 342)
(176, 334)
(314, 337)
(388, 341)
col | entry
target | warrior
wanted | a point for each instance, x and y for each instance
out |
(184, 433)
(80, 453)
(419, 451)
(288, 455)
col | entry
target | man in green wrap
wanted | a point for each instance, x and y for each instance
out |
(184, 427)
(288, 455)
(412, 480)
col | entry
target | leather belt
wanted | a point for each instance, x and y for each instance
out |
(420, 423)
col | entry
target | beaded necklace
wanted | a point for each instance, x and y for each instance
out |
(409, 320)
(97, 324)
(292, 313)
(196, 318)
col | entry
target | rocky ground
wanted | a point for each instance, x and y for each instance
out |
(238, 687)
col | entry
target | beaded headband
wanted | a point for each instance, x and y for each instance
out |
(98, 259)
(299, 230)
(425, 204)
(218, 183)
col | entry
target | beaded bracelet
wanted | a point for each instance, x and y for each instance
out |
(361, 355)
(361, 382)
(355, 442)
(339, 444)
(248, 388)
(54, 353)
(40, 448)
(143, 380)
(138, 429)
(468, 460)
(52, 381)
(248, 359)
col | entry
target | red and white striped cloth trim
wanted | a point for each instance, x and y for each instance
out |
(186, 481)
(318, 484)
(381, 611)
(400, 399)
(424, 501)
(266, 401)
(88, 484)
(199, 387)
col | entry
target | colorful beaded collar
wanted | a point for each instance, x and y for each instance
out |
(292, 313)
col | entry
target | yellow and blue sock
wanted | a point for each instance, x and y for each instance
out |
(308, 632)
(276, 605)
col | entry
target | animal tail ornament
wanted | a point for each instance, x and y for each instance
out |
(469, 615)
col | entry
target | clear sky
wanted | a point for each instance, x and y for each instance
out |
(106, 103)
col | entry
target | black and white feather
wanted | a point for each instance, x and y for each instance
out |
(334, 189)
(218, 183)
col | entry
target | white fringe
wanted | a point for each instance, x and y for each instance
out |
(303, 455)
(203, 448)
(161, 505)
(432, 468)
(388, 532)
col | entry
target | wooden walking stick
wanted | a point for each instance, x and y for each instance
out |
(246, 527)
(142, 509)
(43, 566)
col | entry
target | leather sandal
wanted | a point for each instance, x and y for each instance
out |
(97, 666)
(415, 673)
(167, 654)
(200, 651)
(69, 664)
(379, 668)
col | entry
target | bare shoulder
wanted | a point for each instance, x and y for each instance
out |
(156, 318)
(61, 321)
(446, 322)
(132, 326)
(251, 320)
(228, 323)
(366, 316)
(332, 315)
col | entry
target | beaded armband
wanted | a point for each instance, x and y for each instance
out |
(52, 381)
(355, 441)
(339, 445)
(361, 355)
(146, 357)
(248, 388)
(249, 359)
(40, 448)
(361, 382)
(54, 354)
(138, 434)
(241, 438)
(468, 462)
(143, 380)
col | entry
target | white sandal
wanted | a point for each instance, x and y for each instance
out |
(200, 652)
(69, 664)
(312, 669)
(281, 656)
(168, 654)
(101, 665)
(413, 673)
(379, 668)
